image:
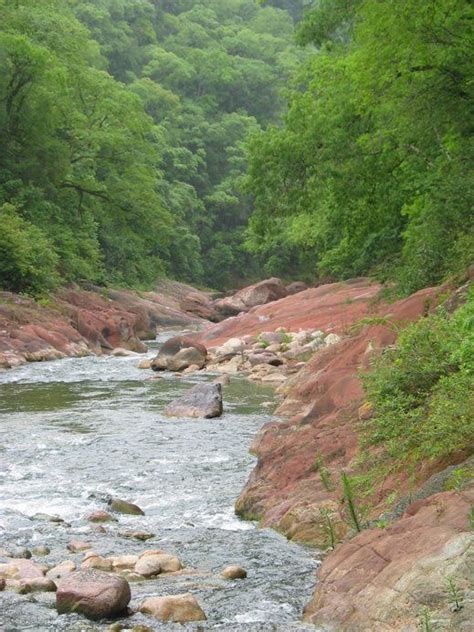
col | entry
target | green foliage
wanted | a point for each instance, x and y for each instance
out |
(209, 73)
(324, 473)
(460, 478)
(350, 502)
(27, 260)
(369, 173)
(426, 624)
(329, 528)
(423, 390)
(455, 594)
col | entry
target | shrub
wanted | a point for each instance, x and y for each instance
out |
(423, 389)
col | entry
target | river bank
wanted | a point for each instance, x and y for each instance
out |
(76, 322)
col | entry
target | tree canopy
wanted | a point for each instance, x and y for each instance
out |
(370, 172)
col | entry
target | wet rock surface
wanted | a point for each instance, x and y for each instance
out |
(124, 507)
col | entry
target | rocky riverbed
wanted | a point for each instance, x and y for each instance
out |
(76, 432)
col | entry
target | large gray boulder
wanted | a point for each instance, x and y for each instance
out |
(203, 400)
(92, 593)
(179, 353)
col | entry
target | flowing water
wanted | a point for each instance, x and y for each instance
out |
(76, 431)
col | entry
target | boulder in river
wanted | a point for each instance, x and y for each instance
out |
(234, 572)
(94, 594)
(175, 608)
(203, 400)
(150, 565)
(179, 353)
(96, 561)
(124, 507)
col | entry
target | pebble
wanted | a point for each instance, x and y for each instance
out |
(101, 516)
(77, 546)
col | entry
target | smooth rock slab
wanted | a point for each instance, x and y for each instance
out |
(94, 594)
(203, 400)
(176, 608)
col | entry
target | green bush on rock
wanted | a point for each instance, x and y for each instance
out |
(423, 390)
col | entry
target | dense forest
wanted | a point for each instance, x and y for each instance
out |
(122, 131)
(215, 141)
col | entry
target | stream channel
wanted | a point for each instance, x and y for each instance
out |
(75, 431)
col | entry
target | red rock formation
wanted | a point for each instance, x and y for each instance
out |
(334, 307)
(285, 490)
(382, 578)
(77, 322)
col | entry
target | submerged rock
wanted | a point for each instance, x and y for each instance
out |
(203, 400)
(41, 550)
(94, 594)
(18, 552)
(143, 536)
(100, 516)
(175, 608)
(124, 507)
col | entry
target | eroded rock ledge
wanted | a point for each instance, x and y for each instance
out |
(77, 322)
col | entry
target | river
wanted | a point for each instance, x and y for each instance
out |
(75, 431)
